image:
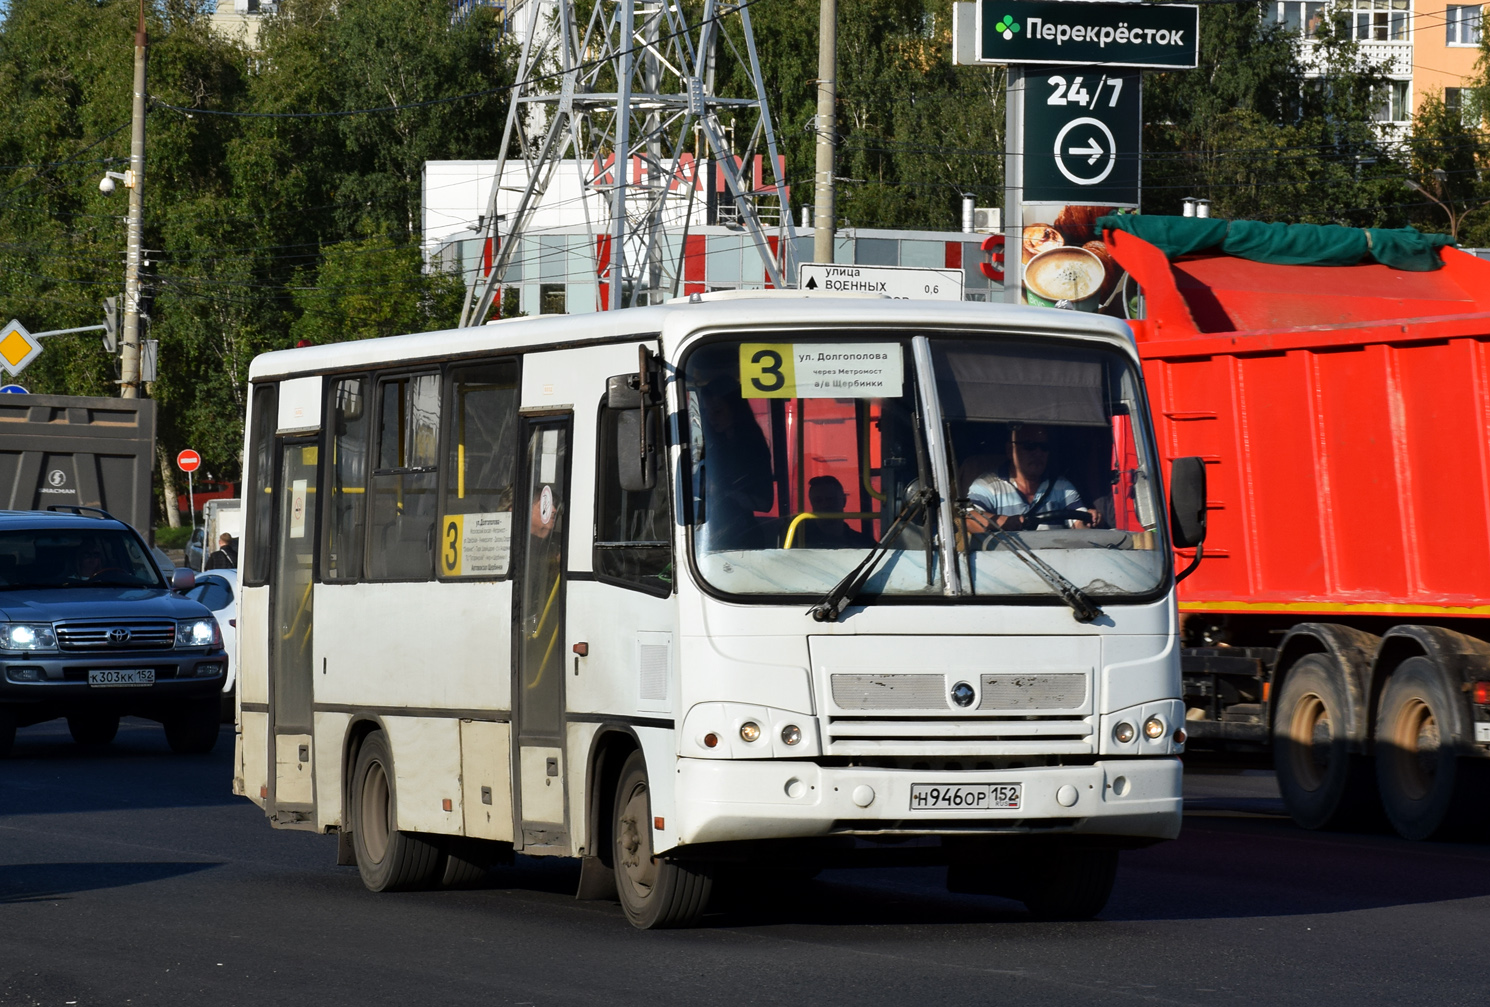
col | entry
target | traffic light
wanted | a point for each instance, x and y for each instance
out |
(111, 324)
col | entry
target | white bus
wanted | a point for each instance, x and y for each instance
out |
(737, 584)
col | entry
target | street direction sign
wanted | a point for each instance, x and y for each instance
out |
(188, 461)
(1111, 34)
(18, 347)
(1082, 136)
(900, 282)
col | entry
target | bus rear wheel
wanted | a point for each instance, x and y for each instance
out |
(387, 859)
(655, 893)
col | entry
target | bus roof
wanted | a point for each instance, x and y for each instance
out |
(675, 323)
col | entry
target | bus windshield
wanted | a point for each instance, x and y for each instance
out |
(803, 454)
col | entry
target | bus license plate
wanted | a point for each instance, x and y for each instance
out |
(966, 797)
(120, 677)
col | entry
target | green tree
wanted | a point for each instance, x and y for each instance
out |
(364, 289)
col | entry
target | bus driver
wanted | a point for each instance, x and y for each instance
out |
(1012, 495)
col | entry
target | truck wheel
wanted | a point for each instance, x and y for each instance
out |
(1426, 790)
(655, 893)
(192, 728)
(93, 727)
(387, 859)
(7, 730)
(1323, 786)
(1072, 886)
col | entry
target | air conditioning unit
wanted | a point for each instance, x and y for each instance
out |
(988, 219)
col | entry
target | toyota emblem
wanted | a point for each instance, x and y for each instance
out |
(962, 694)
(118, 635)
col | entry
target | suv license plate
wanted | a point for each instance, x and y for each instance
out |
(120, 677)
(966, 797)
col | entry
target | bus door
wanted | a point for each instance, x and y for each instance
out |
(291, 626)
(538, 639)
(539, 807)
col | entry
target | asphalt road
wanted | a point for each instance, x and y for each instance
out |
(134, 877)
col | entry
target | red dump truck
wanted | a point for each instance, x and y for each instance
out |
(1341, 614)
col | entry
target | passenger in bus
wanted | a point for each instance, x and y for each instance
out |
(737, 469)
(825, 494)
(1029, 484)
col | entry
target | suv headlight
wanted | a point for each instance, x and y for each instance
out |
(198, 633)
(27, 636)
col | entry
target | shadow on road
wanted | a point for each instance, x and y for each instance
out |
(49, 882)
(48, 773)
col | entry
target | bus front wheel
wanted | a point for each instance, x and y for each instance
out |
(655, 892)
(387, 859)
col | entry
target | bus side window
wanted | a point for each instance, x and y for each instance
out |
(347, 421)
(401, 526)
(260, 483)
(475, 530)
(633, 531)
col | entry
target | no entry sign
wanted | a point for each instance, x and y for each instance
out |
(188, 461)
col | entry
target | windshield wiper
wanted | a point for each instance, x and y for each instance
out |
(1080, 604)
(843, 593)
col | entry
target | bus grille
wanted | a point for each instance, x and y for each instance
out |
(1028, 735)
(922, 692)
(116, 635)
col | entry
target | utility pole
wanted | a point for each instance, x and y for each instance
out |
(129, 386)
(823, 212)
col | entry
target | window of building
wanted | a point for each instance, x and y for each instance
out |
(481, 443)
(1453, 100)
(1380, 20)
(551, 299)
(348, 419)
(1305, 16)
(1464, 24)
(633, 531)
(260, 485)
(401, 526)
(1392, 97)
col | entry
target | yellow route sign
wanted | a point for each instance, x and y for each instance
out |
(18, 347)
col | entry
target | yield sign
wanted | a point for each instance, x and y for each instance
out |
(18, 347)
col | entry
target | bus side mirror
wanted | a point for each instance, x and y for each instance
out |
(1187, 502)
(636, 456)
(622, 392)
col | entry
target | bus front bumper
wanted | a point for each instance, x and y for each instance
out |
(728, 800)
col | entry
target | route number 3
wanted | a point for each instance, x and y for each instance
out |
(450, 535)
(1077, 95)
(766, 371)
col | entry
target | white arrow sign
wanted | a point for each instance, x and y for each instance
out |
(1095, 135)
(900, 282)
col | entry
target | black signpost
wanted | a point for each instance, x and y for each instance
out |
(1082, 135)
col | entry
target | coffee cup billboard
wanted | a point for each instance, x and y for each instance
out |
(1065, 261)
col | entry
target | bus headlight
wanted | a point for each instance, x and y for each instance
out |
(1153, 728)
(750, 731)
(198, 633)
(791, 734)
(27, 636)
(1123, 733)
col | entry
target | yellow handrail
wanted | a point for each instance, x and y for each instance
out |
(543, 618)
(791, 529)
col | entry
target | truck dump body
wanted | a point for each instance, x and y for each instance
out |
(1344, 417)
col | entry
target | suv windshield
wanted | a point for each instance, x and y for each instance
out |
(51, 557)
(804, 453)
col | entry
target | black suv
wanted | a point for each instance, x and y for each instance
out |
(90, 630)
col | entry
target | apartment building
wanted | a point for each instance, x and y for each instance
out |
(1426, 46)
